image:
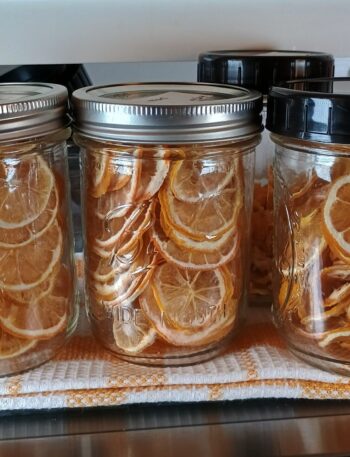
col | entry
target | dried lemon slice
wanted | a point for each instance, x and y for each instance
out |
(43, 317)
(336, 215)
(29, 265)
(153, 173)
(191, 259)
(205, 219)
(20, 236)
(11, 346)
(25, 189)
(188, 298)
(131, 330)
(196, 180)
(216, 331)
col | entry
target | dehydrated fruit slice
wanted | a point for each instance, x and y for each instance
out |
(20, 236)
(188, 298)
(219, 328)
(185, 258)
(205, 219)
(43, 317)
(153, 173)
(336, 214)
(25, 189)
(29, 265)
(196, 180)
(11, 346)
(131, 330)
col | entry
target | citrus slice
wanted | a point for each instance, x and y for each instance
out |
(189, 298)
(195, 180)
(216, 331)
(186, 242)
(40, 320)
(25, 189)
(24, 297)
(118, 202)
(103, 269)
(45, 315)
(338, 295)
(335, 311)
(309, 242)
(340, 167)
(336, 214)
(127, 284)
(99, 172)
(30, 265)
(334, 335)
(121, 169)
(206, 219)
(134, 232)
(131, 330)
(340, 272)
(108, 233)
(11, 346)
(153, 173)
(185, 258)
(20, 236)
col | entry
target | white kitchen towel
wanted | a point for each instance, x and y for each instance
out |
(256, 365)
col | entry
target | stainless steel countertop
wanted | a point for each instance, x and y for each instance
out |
(241, 428)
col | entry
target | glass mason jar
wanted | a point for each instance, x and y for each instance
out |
(37, 282)
(260, 70)
(167, 188)
(310, 121)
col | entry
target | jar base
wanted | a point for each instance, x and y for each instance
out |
(180, 360)
(31, 360)
(324, 363)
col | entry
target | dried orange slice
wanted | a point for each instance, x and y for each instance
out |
(40, 320)
(131, 330)
(21, 236)
(310, 242)
(340, 167)
(33, 294)
(216, 331)
(99, 173)
(121, 170)
(25, 189)
(205, 219)
(185, 258)
(334, 335)
(335, 311)
(118, 202)
(153, 173)
(336, 215)
(42, 317)
(30, 265)
(184, 241)
(188, 298)
(127, 284)
(11, 346)
(108, 233)
(134, 232)
(196, 180)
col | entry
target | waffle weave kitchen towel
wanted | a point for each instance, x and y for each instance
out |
(256, 365)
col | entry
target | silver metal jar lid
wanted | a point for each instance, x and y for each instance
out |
(166, 112)
(29, 110)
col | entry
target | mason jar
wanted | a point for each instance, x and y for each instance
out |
(260, 70)
(37, 281)
(167, 189)
(310, 125)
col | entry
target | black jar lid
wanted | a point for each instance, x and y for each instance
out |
(261, 69)
(311, 109)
